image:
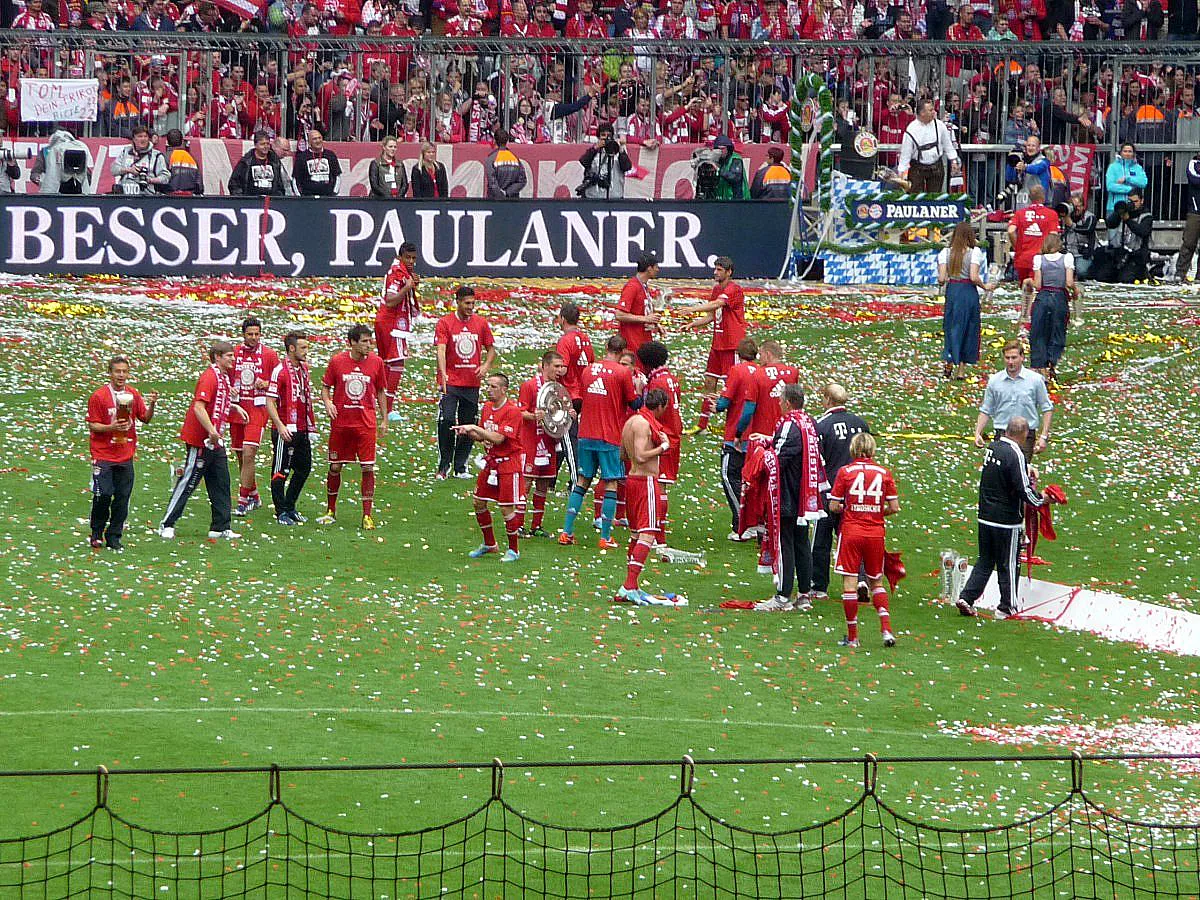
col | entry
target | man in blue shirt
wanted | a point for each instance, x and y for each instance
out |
(1017, 391)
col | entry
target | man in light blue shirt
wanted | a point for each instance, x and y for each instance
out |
(1017, 391)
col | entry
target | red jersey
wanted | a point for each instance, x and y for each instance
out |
(114, 446)
(401, 315)
(215, 391)
(607, 393)
(290, 386)
(507, 457)
(729, 324)
(670, 419)
(736, 384)
(764, 391)
(464, 343)
(354, 385)
(536, 443)
(864, 489)
(575, 348)
(633, 301)
(1033, 223)
(249, 365)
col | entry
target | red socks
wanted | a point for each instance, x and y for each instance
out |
(333, 484)
(512, 530)
(706, 411)
(539, 510)
(484, 519)
(368, 491)
(392, 375)
(620, 514)
(879, 599)
(850, 607)
(637, 559)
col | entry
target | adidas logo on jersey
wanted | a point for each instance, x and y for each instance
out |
(597, 387)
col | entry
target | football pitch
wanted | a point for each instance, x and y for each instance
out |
(326, 646)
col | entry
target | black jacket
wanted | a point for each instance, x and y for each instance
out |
(1193, 177)
(316, 173)
(1079, 237)
(423, 184)
(256, 178)
(835, 430)
(1004, 486)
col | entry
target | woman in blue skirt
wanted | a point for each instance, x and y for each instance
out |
(959, 267)
(1054, 283)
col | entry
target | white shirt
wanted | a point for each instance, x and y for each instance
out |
(918, 134)
(976, 257)
(1068, 258)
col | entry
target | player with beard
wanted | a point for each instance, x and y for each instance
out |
(501, 481)
(643, 443)
(733, 450)
(653, 358)
(635, 320)
(354, 389)
(726, 312)
(542, 456)
(461, 338)
(575, 347)
(395, 319)
(290, 409)
(253, 364)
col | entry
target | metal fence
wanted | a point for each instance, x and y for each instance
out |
(366, 87)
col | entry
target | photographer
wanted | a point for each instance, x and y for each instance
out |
(1191, 227)
(10, 172)
(64, 166)
(1079, 234)
(731, 171)
(1127, 255)
(604, 167)
(140, 169)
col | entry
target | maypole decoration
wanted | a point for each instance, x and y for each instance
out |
(857, 217)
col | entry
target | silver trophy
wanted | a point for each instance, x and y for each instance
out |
(555, 404)
(680, 557)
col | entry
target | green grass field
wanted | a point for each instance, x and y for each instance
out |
(327, 646)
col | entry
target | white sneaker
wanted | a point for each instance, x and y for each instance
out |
(802, 604)
(465, 476)
(166, 532)
(736, 537)
(775, 604)
(225, 535)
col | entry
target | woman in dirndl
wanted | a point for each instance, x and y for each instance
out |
(959, 267)
(1053, 283)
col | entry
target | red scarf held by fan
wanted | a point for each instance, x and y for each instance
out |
(1039, 521)
(812, 479)
(761, 498)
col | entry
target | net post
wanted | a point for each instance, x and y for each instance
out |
(870, 774)
(274, 783)
(101, 787)
(1076, 772)
(497, 778)
(687, 776)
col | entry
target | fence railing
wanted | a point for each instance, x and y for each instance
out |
(878, 846)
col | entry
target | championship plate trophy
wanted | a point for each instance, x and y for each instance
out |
(954, 570)
(554, 403)
(124, 414)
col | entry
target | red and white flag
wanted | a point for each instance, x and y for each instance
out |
(247, 9)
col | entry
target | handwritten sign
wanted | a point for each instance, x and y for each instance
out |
(59, 99)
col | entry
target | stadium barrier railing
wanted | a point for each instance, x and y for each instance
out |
(879, 845)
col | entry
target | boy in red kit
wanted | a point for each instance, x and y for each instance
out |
(252, 365)
(501, 481)
(112, 416)
(354, 390)
(863, 493)
(653, 358)
(634, 318)
(395, 319)
(643, 443)
(213, 404)
(461, 339)
(726, 311)
(542, 456)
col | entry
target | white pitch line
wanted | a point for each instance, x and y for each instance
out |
(494, 714)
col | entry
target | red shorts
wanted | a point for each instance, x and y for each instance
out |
(352, 443)
(508, 490)
(719, 363)
(858, 550)
(549, 470)
(251, 433)
(1023, 273)
(390, 348)
(645, 503)
(668, 465)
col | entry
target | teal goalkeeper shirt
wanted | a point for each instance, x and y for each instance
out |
(1025, 395)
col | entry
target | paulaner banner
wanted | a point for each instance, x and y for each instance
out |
(142, 236)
